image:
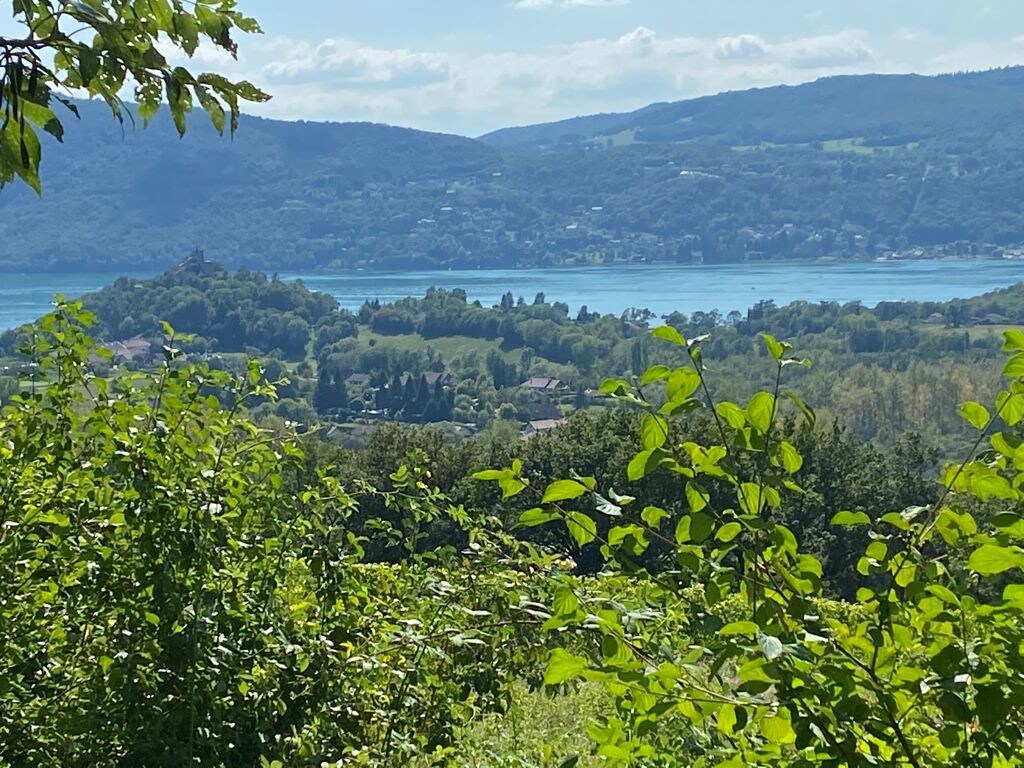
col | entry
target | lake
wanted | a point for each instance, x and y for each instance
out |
(660, 288)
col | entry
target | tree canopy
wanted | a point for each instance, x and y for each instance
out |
(98, 48)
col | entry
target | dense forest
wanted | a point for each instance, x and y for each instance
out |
(843, 167)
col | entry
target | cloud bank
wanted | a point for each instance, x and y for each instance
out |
(450, 90)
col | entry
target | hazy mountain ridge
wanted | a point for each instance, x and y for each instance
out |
(879, 108)
(847, 166)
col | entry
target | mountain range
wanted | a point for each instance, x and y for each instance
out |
(842, 167)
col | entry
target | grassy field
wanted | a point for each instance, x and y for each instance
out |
(448, 346)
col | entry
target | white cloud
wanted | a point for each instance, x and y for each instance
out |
(827, 51)
(741, 47)
(471, 92)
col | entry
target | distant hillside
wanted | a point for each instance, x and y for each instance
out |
(844, 167)
(880, 109)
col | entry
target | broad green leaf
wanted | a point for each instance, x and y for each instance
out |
(653, 431)
(563, 666)
(975, 414)
(790, 458)
(777, 730)
(563, 490)
(616, 387)
(798, 401)
(726, 719)
(701, 526)
(774, 347)
(732, 414)
(1014, 340)
(850, 519)
(1010, 407)
(582, 528)
(511, 486)
(751, 498)
(760, 411)
(728, 532)
(682, 383)
(490, 474)
(537, 516)
(739, 628)
(1014, 367)
(697, 499)
(655, 373)
(639, 466)
(990, 559)
(653, 516)
(565, 602)
(682, 532)
(670, 334)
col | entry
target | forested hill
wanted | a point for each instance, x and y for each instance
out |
(847, 167)
(880, 110)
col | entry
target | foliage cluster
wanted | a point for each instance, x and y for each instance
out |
(176, 596)
(924, 669)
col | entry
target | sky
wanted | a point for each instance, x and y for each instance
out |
(472, 66)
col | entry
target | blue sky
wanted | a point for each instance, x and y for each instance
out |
(469, 66)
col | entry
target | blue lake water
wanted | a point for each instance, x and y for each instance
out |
(660, 288)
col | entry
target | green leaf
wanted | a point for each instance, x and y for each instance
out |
(696, 498)
(752, 498)
(798, 401)
(563, 666)
(790, 458)
(682, 532)
(761, 410)
(975, 414)
(670, 334)
(775, 349)
(1014, 367)
(701, 526)
(655, 373)
(1010, 407)
(877, 550)
(534, 517)
(732, 414)
(653, 516)
(653, 431)
(1014, 340)
(728, 532)
(739, 628)
(682, 383)
(726, 719)
(563, 490)
(582, 528)
(637, 468)
(851, 519)
(616, 387)
(511, 486)
(565, 602)
(777, 730)
(488, 475)
(990, 559)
